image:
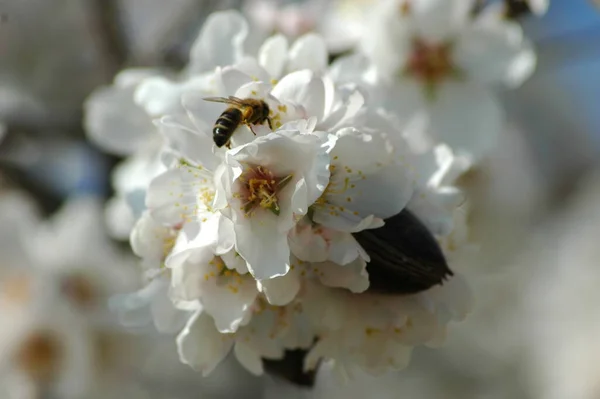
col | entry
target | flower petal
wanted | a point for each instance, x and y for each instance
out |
(219, 43)
(495, 52)
(438, 20)
(171, 198)
(308, 52)
(273, 55)
(230, 301)
(264, 248)
(248, 358)
(281, 290)
(302, 88)
(467, 117)
(195, 147)
(200, 345)
(114, 122)
(352, 276)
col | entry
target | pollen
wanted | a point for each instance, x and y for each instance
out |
(371, 331)
(206, 196)
(282, 108)
(260, 189)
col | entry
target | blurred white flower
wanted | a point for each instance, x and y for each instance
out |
(57, 336)
(434, 61)
(118, 125)
(560, 304)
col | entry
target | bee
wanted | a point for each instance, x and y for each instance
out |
(247, 111)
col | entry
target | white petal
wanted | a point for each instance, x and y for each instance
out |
(133, 310)
(264, 248)
(308, 52)
(306, 245)
(229, 300)
(167, 318)
(352, 276)
(349, 68)
(233, 78)
(234, 261)
(248, 358)
(158, 95)
(281, 290)
(220, 41)
(495, 53)
(119, 218)
(148, 237)
(466, 117)
(434, 208)
(133, 76)
(348, 106)
(202, 113)
(251, 67)
(454, 297)
(404, 98)
(189, 144)
(114, 122)
(346, 221)
(438, 20)
(343, 249)
(195, 245)
(383, 194)
(170, 197)
(303, 88)
(200, 345)
(273, 55)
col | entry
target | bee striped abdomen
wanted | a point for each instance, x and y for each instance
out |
(226, 125)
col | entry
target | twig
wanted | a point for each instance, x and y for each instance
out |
(107, 23)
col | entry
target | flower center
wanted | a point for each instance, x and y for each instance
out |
(39, 356)
(79, 290)
(431, 64)
(260, 188)
(17, 288)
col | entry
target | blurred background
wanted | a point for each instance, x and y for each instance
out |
(536, 199)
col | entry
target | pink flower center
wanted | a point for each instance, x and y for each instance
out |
(260, 188)
(431, 63)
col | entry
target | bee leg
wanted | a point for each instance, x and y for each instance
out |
(270, 123)
(228, 145)
(252, 130)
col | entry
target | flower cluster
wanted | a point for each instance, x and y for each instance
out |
(252, 247)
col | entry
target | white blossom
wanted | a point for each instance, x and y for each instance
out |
(432, 60)
(249, 247)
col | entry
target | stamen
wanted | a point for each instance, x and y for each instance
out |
(260, 189)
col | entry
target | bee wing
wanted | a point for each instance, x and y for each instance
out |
(227, 100)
